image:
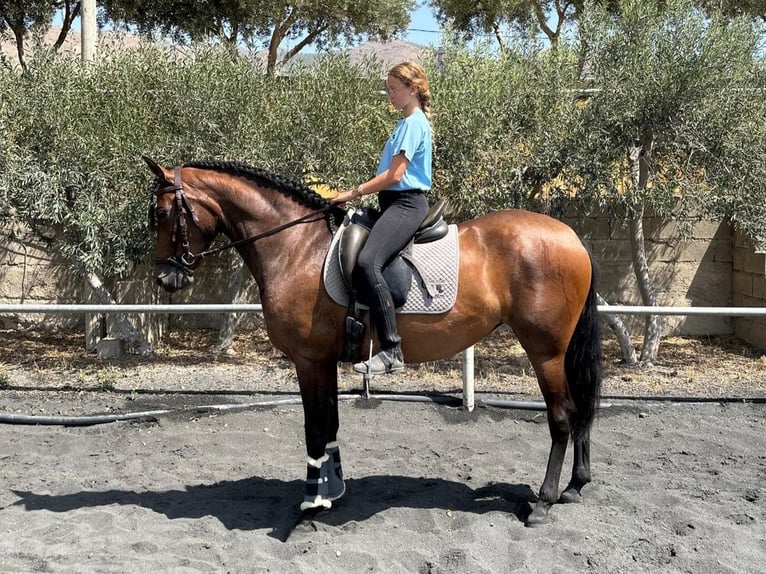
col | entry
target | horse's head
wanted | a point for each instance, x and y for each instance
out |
(184, 228)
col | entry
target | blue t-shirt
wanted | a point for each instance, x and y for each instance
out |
(411, 136)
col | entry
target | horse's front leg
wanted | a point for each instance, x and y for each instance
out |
(324, 474)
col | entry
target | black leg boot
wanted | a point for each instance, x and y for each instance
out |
(383, 312)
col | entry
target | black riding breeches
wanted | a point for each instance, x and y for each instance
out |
(402, 212)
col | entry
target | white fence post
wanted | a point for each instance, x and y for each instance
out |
(468, 400)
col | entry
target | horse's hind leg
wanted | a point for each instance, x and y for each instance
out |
(550, 376)
(580, 469)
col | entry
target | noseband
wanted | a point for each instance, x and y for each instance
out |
(181, 231)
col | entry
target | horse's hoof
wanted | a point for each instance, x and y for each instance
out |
(570, 497)
(539, 516)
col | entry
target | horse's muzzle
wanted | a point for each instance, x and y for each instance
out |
(172, 278)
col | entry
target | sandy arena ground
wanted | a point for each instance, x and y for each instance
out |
(678, 487)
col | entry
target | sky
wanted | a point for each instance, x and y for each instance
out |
(424, 29)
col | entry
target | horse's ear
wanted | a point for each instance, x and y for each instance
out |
(157, 169)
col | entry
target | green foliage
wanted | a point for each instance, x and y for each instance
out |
(510, 131)
(253, 20)
(332, 122)
(20, 18)
(683, 81)
(264, 23)
(496, 120)
(736, 176)
(22, 15)
(553, 18)
(735, 8)
(72, 137)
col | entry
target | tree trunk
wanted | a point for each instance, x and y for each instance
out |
(499, 37)
(70, 13)
(277, 35)
(623, 337)
(544, 18)
(638, 156)
(128, 333)
(18, 34)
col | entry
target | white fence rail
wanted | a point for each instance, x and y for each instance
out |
(245, 308)
(468, 354)
(206, 308)
(649, 310)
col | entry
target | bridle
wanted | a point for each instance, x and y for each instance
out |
(180, 235)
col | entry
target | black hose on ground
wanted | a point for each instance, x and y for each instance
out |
(89, 420)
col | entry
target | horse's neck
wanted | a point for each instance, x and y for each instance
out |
(287, 256)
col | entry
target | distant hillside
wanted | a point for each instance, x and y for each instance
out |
(387, 53)
(71, 45)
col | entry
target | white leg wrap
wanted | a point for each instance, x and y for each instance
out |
(317, 462)
(318, 502)
(317, 483)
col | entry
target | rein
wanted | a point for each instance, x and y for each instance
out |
(187, 258)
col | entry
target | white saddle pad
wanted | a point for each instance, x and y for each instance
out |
(435, 292)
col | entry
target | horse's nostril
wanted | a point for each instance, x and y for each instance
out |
(159, 281)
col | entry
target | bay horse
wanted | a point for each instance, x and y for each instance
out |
(519, 268)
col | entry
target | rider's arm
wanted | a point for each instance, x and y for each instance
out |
(383, 180)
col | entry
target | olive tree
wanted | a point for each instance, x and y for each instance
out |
(553, 18)
(498, 125)
(673, 122)
(19, 18)
(265, 23)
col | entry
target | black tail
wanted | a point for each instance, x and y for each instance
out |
(582, 363)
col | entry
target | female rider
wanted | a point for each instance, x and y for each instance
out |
(401, 182)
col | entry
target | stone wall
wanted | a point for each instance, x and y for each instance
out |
(687, 269)
(749, 279)
(708, 267)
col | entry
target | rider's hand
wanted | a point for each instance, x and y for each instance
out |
(346, 196)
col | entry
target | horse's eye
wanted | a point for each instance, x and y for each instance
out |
(161, 215)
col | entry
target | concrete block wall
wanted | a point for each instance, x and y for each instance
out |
(30, 274)
(687, 269)
(211, 286)
(749, 279)
(708, 267)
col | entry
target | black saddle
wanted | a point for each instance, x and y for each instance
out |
(398, 273)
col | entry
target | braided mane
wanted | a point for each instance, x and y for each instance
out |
(291, 188)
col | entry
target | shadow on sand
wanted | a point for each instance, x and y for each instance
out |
(258, 503)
